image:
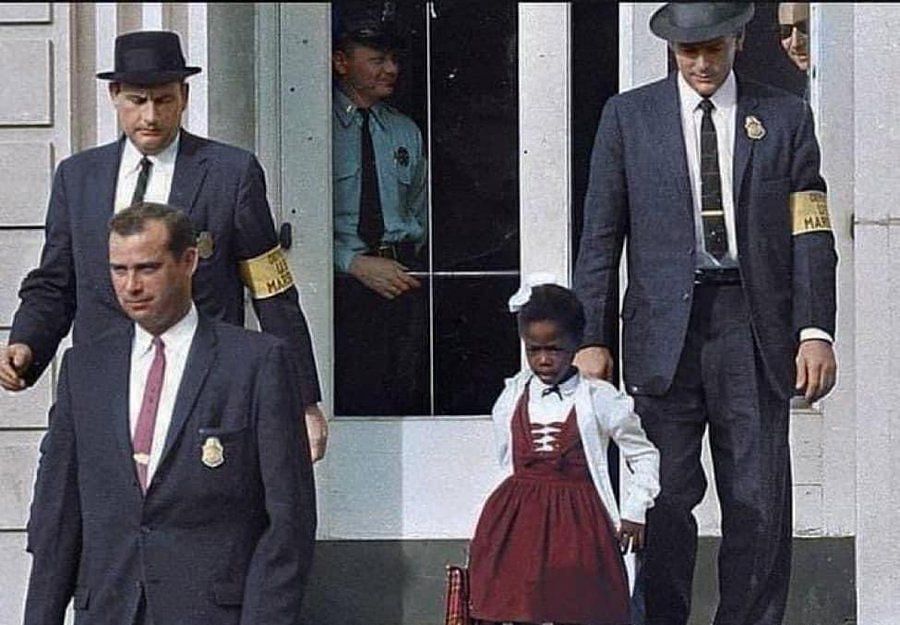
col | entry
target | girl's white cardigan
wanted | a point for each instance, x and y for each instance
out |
(603, 413)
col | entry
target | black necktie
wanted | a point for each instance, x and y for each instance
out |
(715, 237)
(371, 219)
(552, 389)
(141, 187)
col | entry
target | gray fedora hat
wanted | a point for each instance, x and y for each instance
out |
(149, 57)
(692, 22)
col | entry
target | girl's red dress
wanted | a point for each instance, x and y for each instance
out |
(544, 549)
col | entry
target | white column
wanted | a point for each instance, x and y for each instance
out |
(151, 15)
(642, 55)
(877, 144)
(197, 54)
(545, 168)
(106, 24)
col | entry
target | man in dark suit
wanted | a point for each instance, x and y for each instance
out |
(220, 187)
(730, 306)
(175, 482)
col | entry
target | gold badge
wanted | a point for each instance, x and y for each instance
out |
(754, 127)
(205, 244)
(213, 453)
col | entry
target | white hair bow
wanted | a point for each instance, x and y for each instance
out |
(523, 295)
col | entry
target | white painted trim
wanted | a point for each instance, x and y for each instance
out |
(152, 15)
(198, 55)
(106, 27)
(545, 168)
(642, 55)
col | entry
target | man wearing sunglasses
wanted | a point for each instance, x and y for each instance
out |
(793, 32)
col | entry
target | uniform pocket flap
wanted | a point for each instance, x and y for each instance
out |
(228, 593)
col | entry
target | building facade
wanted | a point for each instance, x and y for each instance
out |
(399, 495)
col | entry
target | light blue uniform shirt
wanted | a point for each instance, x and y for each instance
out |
(401, 167)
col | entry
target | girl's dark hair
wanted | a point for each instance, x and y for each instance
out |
(551, 302)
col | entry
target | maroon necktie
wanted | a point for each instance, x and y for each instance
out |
(146, 422)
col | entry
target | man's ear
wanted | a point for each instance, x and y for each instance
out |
(339, 62)
(192, 256)
(114, 89)
(185, 92)
(739, 40)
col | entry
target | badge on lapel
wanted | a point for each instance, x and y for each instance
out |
(754, 127)
(205, 244)
(401, 155)
(213, 453)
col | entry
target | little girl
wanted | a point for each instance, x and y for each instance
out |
(547, 546)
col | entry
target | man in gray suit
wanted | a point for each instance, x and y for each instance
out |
(175, 484)
(714, 181)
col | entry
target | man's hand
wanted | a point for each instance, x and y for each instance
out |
(630, 532)
(386, 277)
(316, 431)
(14, 362)
(816, 369)
(595, 362)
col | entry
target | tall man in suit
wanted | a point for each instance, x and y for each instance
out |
(175, 482)
(220, 187)
(714, 180)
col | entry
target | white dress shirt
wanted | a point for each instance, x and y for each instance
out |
(550, 408)
(723, 116)
(158, 184)
(177, 341)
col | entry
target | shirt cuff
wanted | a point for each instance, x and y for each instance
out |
(808, 334)
(343, 258)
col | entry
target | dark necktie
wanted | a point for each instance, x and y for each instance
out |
(142, 442)
(715, 237)
(371, 219)
(552, 389)
(141, 187)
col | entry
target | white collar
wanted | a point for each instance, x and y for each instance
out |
(567, 387)
(175, 338)
(724, 98)
(131, 156)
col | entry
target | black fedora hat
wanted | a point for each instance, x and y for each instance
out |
(149, 57)
(692, 22)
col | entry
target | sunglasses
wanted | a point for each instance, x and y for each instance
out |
(786, 30)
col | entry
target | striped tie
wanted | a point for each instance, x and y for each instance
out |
(715, 237)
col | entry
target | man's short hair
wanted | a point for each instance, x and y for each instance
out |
(134, 219)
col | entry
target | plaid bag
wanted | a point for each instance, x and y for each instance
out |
(458, 597)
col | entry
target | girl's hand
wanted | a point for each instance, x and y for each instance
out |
(630, 532)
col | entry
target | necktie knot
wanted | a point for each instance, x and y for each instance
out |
(552, 389)
(707, 106)
(158, 344)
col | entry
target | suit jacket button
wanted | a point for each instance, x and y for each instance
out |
(634, 389)
(145, 529)
(685, 296)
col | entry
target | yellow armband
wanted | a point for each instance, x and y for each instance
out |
(267, 274)
(809, 212)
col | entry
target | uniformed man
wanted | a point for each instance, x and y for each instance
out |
(222, 188)
(730, 307)
(380, 223)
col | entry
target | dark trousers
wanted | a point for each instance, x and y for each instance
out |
(381, 351)
(720, 384)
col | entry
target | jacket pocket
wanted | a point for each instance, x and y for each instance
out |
(228, 593)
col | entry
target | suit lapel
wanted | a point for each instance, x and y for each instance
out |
(671, 138)
(190, 171)
(199, 361)
(743, 145)
(118, 377)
